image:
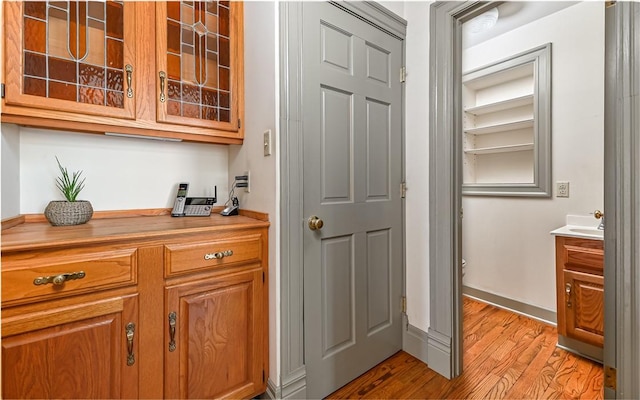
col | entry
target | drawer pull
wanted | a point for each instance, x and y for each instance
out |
(218, 255)
(58, 280)
(130, 330)
(172, 331)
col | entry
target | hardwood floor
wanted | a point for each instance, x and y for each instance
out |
(506, 356)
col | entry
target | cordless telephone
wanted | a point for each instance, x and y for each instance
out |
(178, 206)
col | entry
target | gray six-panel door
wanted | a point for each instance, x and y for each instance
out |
(352, 122)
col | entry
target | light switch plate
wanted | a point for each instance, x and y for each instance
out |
(266, 142)
(562, 189)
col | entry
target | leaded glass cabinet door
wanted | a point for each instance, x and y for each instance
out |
(200, 63)
(72, 56)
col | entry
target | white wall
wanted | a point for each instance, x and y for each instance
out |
(10, 167)
(417, 163)
(121, 173)
(261, 101)
(506, 241)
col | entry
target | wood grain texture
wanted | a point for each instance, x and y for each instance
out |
(34, 236)
(506, 356)
(139, 117)
(13, 221)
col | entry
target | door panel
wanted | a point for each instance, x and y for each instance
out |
(338, 319)
(352, 174)
(336, 145)
(378, 140)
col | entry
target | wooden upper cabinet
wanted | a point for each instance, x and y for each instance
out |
(199, 56)
(73, 56)
(170, 70)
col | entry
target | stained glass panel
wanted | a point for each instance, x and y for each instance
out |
(200, 72)
(67, 47)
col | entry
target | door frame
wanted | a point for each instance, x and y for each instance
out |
(622, 190)
(292, 378)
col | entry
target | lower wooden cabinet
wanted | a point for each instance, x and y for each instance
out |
(580, 289)
(186, 317)
(217, 347)
(84, 350)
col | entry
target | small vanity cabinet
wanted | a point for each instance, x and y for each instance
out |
(139, 307)
(580, 289)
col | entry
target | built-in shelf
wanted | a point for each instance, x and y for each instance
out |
(506, 125)
(501, 105)
(500, 149)
(509, 126)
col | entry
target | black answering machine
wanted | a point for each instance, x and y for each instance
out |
(192, 206)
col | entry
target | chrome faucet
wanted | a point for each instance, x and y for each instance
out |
(599, 215)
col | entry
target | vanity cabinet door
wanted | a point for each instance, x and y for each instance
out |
(584, 307)
(200, 63)
(78, 351)
(74, 56)
(215, 340)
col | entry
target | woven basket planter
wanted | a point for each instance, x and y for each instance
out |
(62, 212)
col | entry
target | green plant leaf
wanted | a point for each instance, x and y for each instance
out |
(70, 186)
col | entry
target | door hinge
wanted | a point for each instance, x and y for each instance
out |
(2, 91)
(403, 74)
(263, 377)
(239, 123)
(461, 213)
(262, 276)
(610, 377)
(610, 3)
(403, 190)
(404, 304)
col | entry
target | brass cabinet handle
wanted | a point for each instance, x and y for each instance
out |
(58, 280)
(567, 291)
(130, 329)
(129, 69)
(162, 78)
(172, 331)
(218, 255)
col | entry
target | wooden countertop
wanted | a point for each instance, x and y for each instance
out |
(41, 235)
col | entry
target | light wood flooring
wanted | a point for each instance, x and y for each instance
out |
(506, 356)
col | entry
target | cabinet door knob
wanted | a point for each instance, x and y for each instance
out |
(567, 292)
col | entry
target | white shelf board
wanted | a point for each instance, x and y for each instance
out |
(501, 105)
(509, 126)
(501, 149)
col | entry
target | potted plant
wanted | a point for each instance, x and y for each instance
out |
(70, 211)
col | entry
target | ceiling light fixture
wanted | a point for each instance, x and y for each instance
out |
(484, 22)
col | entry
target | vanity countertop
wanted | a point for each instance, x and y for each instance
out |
(580, 226)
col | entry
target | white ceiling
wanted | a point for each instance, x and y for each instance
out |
(513, 14)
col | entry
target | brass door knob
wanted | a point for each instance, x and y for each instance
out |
(315, 223)
(598, 214)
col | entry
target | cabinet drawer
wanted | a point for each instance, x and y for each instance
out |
(188, 257)
(45, 275)
(579, 258)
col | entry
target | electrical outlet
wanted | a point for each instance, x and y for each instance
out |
(562, 189)
(248, 188)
